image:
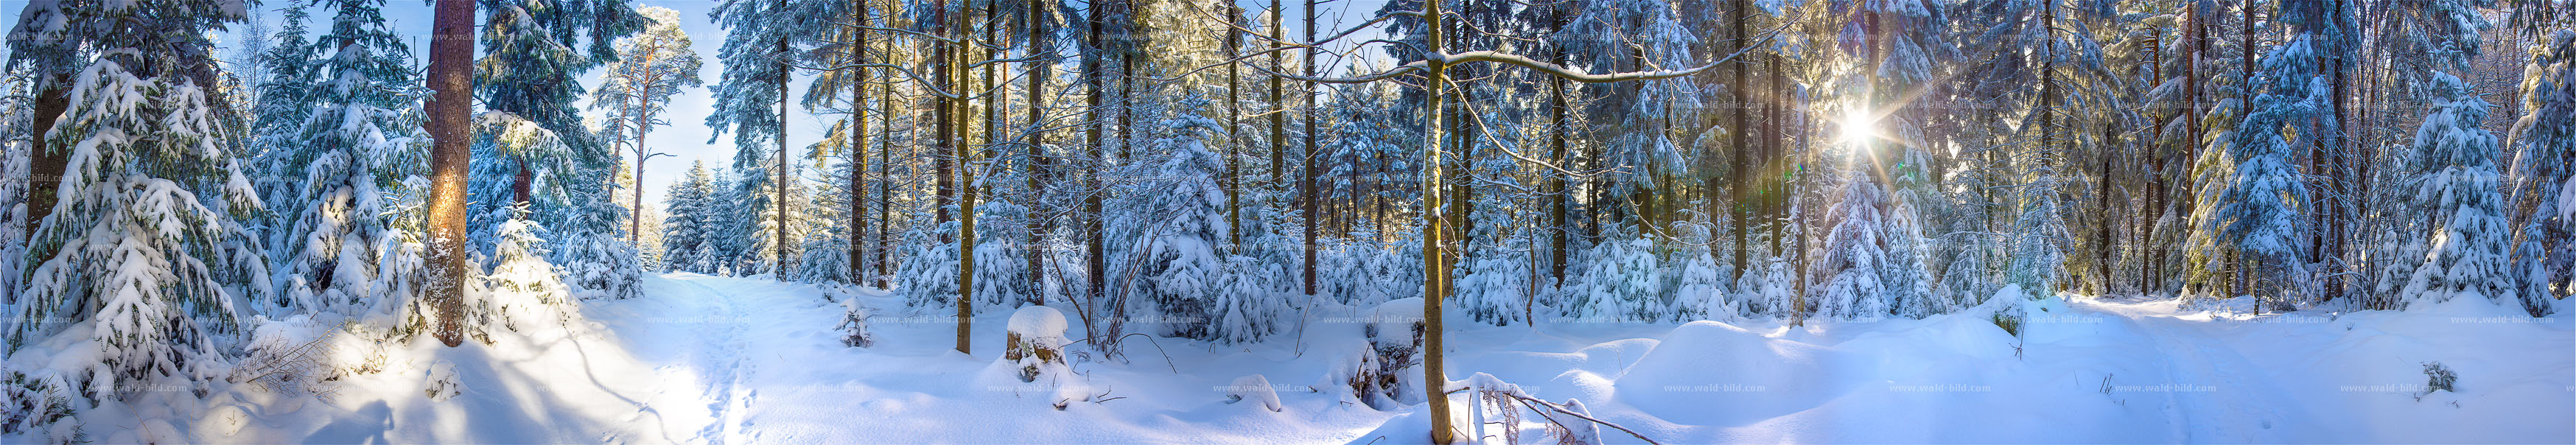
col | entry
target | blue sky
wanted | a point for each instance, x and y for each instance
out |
(687, 137)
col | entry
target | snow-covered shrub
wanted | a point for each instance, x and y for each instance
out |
(1249, 301)
(2439, 378)
(443, 382)
(1493, 285)
(927, 277)
(854, 325)
(522, 288)
(1699, 282)
(600, 268)
(292, 357)
(1617, 283)
(40, 406)
(1575, 430)
(1001, 259)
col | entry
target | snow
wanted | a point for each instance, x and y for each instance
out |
(704, 359)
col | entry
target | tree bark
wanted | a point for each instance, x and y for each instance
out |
(1435, 264)
(451, 82)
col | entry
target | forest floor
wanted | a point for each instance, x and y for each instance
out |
(702, 359)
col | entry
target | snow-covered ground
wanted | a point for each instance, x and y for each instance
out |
(702, 359)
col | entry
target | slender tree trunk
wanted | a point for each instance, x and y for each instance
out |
(1306, 181)
(956, 108)
(778, 267)
(1094, 247)
(858, 84)
(451, 84)
(1233, 142)
(1040, 162)
(1435, 255)
(1738, 167)
(1278, 109)
(885, 251)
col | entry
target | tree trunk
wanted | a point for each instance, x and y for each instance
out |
(45, 164)
(778, 267)
(1039, 164)
(857, 81)
(1435, 258)
(451, 81)
(954, 136)
(1306, 181)
(1233, 120)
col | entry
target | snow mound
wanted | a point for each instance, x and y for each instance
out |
(1255, 388)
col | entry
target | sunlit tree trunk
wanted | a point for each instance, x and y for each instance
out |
(451, 71)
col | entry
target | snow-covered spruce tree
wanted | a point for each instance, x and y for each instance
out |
(686, 230)
(2456, 185)
(1001, 275)
(276, 146)
(1855, 264)
(358, 119)
(532, 54)
(1183, 223)
(761, 42)
(1618, 281)
(522, 289)
(1494, 281)
(1700, 285)
(927, 276)
(2544, 141)
(1253, 302)
(1634, 35)
(142, 254)
(2265, 202)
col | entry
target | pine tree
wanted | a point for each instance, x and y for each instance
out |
(144, 247)
(2456, 186)
(2544, 143)
(651, 67)
(358, 124)
(685, 231)
(533, 52)
(1179, 227)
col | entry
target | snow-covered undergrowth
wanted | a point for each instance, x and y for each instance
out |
(702, 359)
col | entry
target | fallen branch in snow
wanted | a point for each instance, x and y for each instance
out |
(1487, 384)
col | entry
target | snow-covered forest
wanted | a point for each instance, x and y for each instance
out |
(1288, 221)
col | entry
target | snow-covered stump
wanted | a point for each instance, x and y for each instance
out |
(1380, 370)
(1035, 341)
(1034, 361)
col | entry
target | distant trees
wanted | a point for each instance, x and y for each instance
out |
(651, 67)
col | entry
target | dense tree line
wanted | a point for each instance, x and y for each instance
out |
(1200, 170)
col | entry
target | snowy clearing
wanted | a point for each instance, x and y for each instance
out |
(703, 359)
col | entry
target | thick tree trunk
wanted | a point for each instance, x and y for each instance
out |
(45, 164)
(451, 58)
